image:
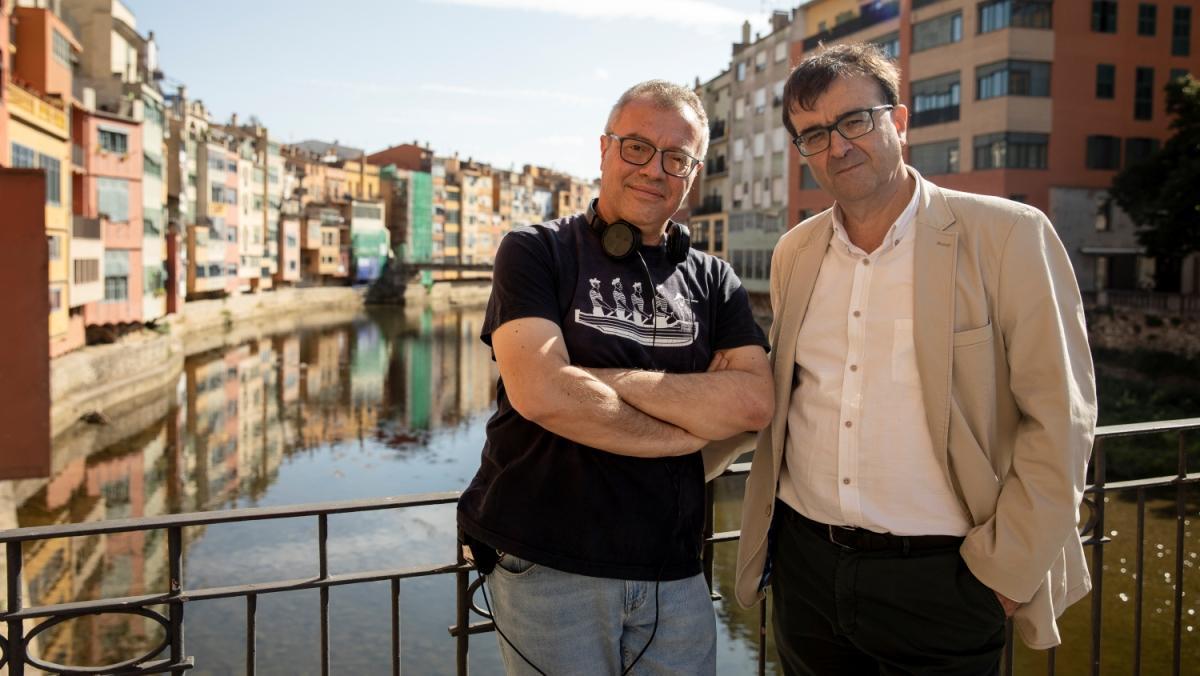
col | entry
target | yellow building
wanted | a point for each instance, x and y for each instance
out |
(362, 180)
(39, 134)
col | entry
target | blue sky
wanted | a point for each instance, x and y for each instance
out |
(505, 81)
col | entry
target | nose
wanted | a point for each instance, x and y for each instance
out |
(838, 145)
(653, 168)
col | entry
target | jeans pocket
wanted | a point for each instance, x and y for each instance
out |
(514, 566)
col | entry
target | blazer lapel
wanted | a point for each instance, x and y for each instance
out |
(802, 276)
(934, 264)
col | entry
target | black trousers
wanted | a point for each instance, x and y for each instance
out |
(841, 611)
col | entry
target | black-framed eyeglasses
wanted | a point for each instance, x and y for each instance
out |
(851, 125)
(639, 152)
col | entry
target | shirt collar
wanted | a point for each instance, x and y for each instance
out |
(895, 234)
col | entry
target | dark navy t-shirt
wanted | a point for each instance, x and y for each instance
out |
(558, 503)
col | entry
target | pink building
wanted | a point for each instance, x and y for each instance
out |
(108, 186)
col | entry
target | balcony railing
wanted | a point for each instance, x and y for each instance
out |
(169, 654)
(716, 130)
(709, 205)
(48, 112)
(85, 228)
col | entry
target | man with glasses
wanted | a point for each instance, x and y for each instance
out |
(935, 406)
(621, 353)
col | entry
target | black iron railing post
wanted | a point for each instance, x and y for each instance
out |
(251, 632)
(395, 626)
(323, 556)
(175, 594)
(1180, 512)
(462, 614)
(1099, 471)
(16, 630)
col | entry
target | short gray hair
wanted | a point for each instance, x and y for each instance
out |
(665, 95)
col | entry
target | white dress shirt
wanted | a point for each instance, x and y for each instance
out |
(858, 451)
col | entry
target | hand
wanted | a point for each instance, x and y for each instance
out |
(1010, 606)
(719, 363)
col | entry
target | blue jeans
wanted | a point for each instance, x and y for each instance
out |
(575, 624)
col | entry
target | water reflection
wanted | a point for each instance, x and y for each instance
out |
(392, 403)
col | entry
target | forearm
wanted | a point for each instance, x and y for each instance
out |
(588, 411)
(712, 405)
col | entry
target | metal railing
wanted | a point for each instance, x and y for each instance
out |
(1171, 303)
(170, 654)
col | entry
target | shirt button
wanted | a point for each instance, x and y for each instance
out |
(866, 261)
(854, 367)
(857, 313)
(846, 481)
(849, 424)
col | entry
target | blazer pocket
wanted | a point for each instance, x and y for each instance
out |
(981, 334)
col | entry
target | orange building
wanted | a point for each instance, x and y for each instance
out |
(1038, 101)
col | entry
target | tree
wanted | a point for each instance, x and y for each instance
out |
(1162, 193)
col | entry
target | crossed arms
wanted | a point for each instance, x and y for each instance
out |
(627, 411)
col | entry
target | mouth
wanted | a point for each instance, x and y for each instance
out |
(849, 168)
(646, 191)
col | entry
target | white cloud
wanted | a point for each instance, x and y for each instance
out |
(600, 74)
(690, 12)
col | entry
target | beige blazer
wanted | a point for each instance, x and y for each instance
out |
(1009, 391)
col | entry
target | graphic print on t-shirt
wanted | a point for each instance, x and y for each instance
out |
(668, 323)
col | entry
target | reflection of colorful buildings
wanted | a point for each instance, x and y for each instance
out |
(222, 434)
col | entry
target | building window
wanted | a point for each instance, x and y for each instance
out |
(1147, 17)
(1143, 94)
(890, 44)
(1103, 152)
(938, 31)
(1010, 150)
(741, 71)
(935, 158)
(995, 15)
(718, 234)
(114, 141)
(54, 247)
(1181, 31)
(55, 299)
(1012, 78)
(1139, 149)
(1104, 16)
(781, 51)
(807, 181)
(113, 199)
(935, 100)
(87, 270)
(62, 49)
(116, 275)
(1106, 80)
(53, 170)
(1178, 74)
(22, 157)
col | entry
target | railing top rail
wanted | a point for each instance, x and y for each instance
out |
(414, 500)
(1147, 427)
(226, 516)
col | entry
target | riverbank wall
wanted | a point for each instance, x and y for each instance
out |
(114, 380)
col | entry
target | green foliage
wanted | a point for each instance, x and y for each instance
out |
(1147, 386)
(1160, 193)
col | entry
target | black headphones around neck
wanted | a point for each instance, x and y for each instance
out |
(620, 239)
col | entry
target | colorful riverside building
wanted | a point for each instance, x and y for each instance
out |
(37, 97)
(1039, 101)
(120, 67)
(108, 190)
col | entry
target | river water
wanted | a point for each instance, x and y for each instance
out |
(392, 403)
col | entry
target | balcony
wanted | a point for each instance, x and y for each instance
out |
(716, 130)
(871, 15)
(711, 204)
(717, 167)
(934, 116)
(50, 114)
(85, 228)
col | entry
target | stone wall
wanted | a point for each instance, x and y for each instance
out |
(1131, 329)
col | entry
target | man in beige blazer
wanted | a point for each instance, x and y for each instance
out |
(934, 409)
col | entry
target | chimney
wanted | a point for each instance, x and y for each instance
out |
(745, 32)
(233, 119)
(779, 20)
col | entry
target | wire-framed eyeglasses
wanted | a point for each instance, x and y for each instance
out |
(851, 125)
(639, 152)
